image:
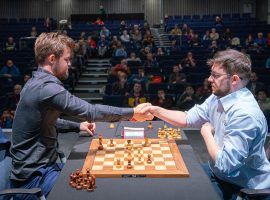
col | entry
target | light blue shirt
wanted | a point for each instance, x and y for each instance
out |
(240, 132)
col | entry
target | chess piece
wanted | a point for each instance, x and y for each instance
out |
(111, 142)
(118, 164)
(129, 166)
(129, 156)
(140, 161)
(100, 147)
(112, 125)
(146, 142)
(149, 161)
(150, 126)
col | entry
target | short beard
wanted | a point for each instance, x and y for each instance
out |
(59, 76)
(221, 94)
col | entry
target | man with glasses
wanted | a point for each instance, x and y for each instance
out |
(232, 125)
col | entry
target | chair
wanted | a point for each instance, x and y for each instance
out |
(5, 167)
(253, 193)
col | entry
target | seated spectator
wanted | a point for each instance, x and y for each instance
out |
(102, 46)
(121, 87)
(143, 52)
(195, 40)
(227, 35)
(187, 100)
(10, 45)
(176, 31)
(218, 21)
(146, 26)
(175, 48)
(213, 34)
(99, 22)
(6, 119)
(177, 76)
(160, 52)
(235, 42)
(10, 70)
(139, 78)
(137, 38)
(254, 85)
(185, 29)
(33, 32)
(48, 24)
(123, 26)
(249, 42)
(260, 41)
(204, 91)
(150, 61)
(136, 96)
(91, 47)
(125, 36)
(133, 57)
(148, 39)
(213, 48)
(120, 67)
(82, 36)
(14, 98)
(264, 103)
(206, 36)
(26, 77)
(120, 51)
(189, 61)
(104, 31)
(162, 100)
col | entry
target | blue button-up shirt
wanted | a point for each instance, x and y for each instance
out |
(240, 132)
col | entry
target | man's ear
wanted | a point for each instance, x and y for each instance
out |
(235, 79)
(52, 58)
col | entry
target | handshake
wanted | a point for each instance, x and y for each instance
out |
(143, 112)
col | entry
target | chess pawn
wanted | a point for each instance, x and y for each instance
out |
(129, 156)
(149, 161)
(140, 161)
(100, 147)
(118, 164)
(112, 125)
(129, 166)
(111, 142)
(146, 142)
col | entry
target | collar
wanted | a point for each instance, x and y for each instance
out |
(42, 72)
(229, 100)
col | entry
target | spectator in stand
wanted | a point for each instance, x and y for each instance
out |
(136, 96)
(148, 39)
(176, 31)
(91, 47)
(104, 31)
(187, 100)
(139, 78)
(150, 61)
(185, 29)
(235, 43)
(33, 32)
(120, 51)
(125, 37)
(249, 42)
(160, 52)
(103, 46)
(162, 100)
(14, 98)
(10, 45)
(146, 26)
(227, 35)
(213, 48)
(26, 77)
(123, 26)
(213, 34)
(121, 87)
(48, 24)
(195, 40)
(133, 57)
(254, 85)
(177, 76)
(267, 45)
(264, 103)
(260, 41)
(113, 43)
(99, 22)
(136, 37)
(6, 119)
(204, 91)
(206, 36)
(10, 70)
(120, 67)
(189, 61)
(175, 48)
(218, 21)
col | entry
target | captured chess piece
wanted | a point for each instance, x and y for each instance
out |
(112, 125)
(150, 126)
(129, 166)
(81, 181)
(111, 142)
(149, 160)
(100, 147)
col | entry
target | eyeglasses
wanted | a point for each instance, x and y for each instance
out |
(216, 75)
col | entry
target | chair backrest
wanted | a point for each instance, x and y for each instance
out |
(5, 161)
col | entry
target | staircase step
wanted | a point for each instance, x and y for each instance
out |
(94, 74)
(98, 88)
(93, 81)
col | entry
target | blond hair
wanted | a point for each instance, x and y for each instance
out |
(51, 43)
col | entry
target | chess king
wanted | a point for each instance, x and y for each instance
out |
(43, 99)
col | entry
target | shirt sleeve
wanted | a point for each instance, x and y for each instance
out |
(67, 125)
(60, 99)
(240, 134)
(198, 115)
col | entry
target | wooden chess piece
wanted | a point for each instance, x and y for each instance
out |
(146, 142)
(139, 159)
(149, 161)
(129, 166)
(100, 147)
(112, 125)
(118, 163)
(111, 142)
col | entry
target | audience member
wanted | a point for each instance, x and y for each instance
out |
(177, 76)
(254, 85)
(10, 45)
(162, 100)
(136, 96)
(187, 100)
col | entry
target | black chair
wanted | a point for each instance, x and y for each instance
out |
(246, 193)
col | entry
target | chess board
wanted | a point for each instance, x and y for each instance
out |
(166, 159)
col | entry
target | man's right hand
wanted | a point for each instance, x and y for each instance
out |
(141, 115)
